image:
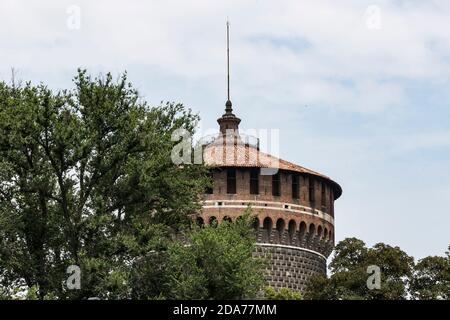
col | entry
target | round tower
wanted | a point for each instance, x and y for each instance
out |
(293, 206)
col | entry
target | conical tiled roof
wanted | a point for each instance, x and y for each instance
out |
(240, 154)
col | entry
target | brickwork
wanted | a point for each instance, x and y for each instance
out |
(265, 189)
(294, 235)
(288, 267)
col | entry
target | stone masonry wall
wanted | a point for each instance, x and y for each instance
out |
(290, 267)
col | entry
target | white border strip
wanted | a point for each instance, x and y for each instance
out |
(320, 214)
(290, 247)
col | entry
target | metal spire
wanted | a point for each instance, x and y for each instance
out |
(228, 121)
(228, 103)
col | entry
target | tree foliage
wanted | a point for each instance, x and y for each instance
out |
(86, 179)
(215, 262)
(401, 278)
(432, 278)
(281, 294)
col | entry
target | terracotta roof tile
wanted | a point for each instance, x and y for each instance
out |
(217, 154)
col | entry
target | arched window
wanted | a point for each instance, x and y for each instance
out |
(267, 226)
(302, 228)
(280, 225)
(319, 231)
(312, 229)
(291, 228)
(325, 233)
(280, 228)
(213, 221)
(227, 219)
(199, 221)
(255, 223)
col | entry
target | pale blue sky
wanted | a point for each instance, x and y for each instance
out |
(363, 100)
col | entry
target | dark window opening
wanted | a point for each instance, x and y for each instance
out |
(209, 188)
(280, 225)
(213, 222)
(292, 228)
(267, 226)
(254, 181)
(231, 181)
(330, 208)
(302, 227)
(255, 223)
(276, 185)
(312, 229)
(200, 221)
(323, 199)
(295, 193)
(227, 219)
(311, 190)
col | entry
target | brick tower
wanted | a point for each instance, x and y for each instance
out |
(294, 206)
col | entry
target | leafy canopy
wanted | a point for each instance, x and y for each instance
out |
(215, 262)
(401, 278)
(86, 178)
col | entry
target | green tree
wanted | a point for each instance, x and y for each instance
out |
(432, 278)
(281, 294)
(349, 275)
(86, 178)
(215, 262)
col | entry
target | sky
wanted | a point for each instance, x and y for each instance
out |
(358, 89)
